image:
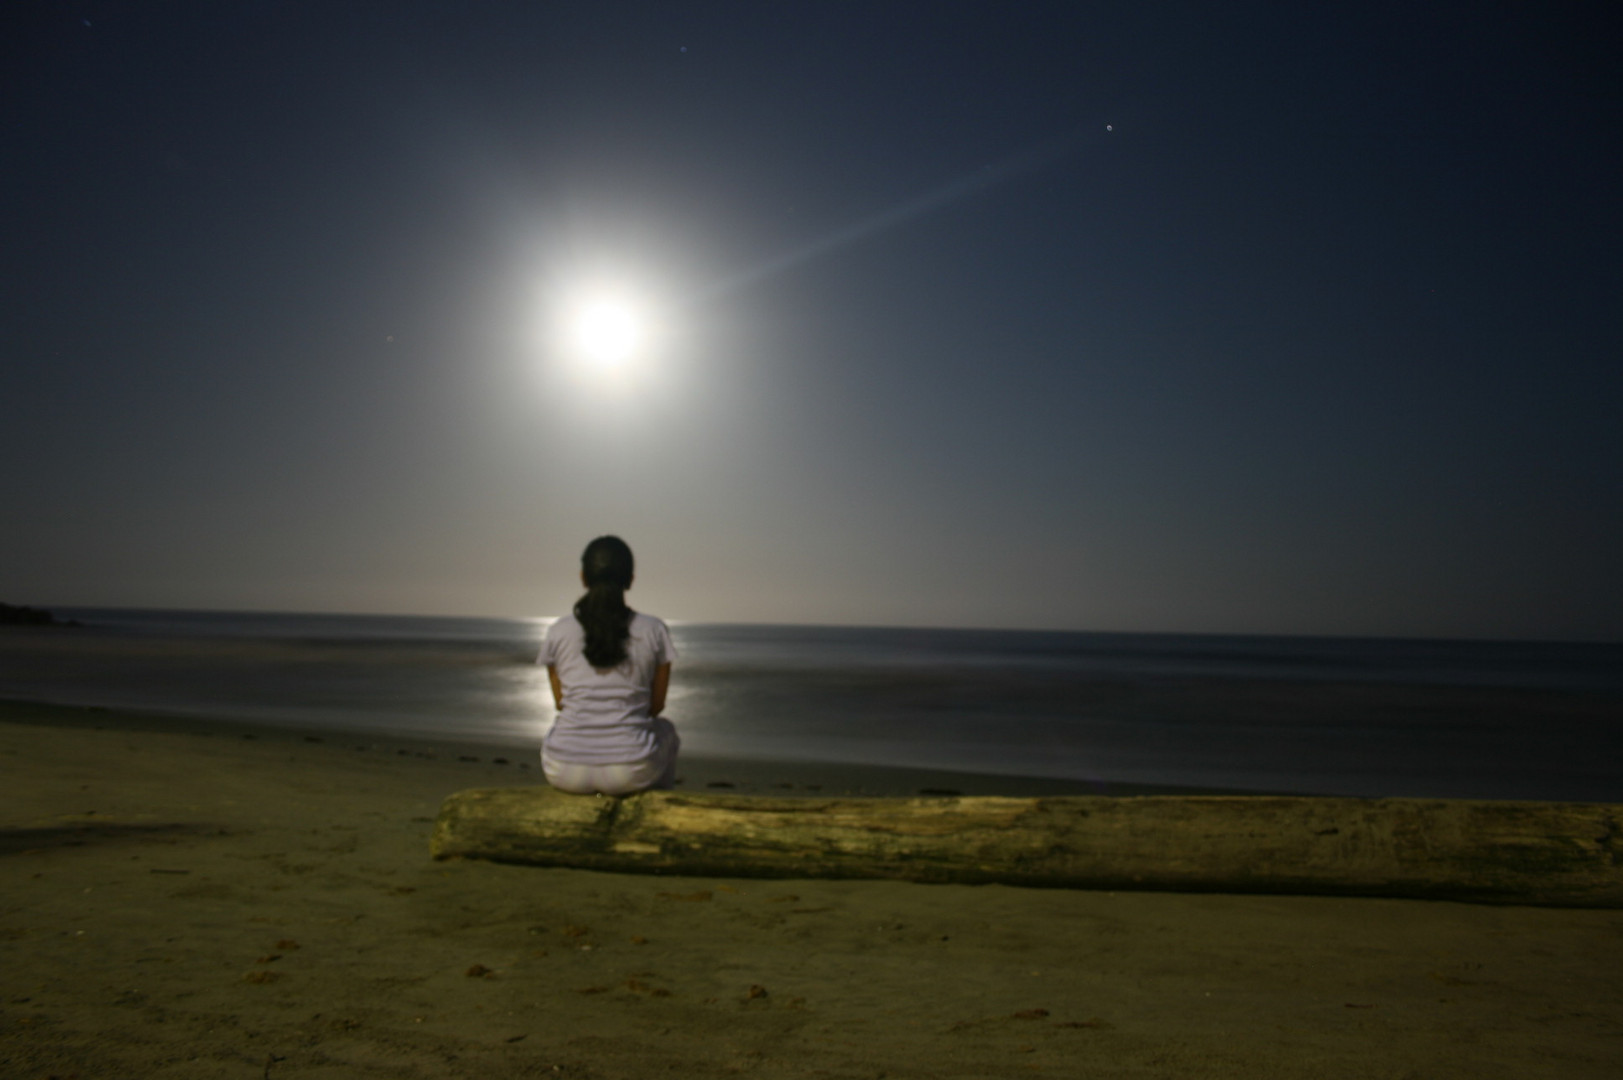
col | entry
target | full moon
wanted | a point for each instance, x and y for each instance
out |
(607, 330)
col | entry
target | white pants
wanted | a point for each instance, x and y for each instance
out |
(658, 770)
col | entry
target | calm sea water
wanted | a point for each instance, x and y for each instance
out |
(1333, 716)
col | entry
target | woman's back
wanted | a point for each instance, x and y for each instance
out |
(610, 668)
(604, 715)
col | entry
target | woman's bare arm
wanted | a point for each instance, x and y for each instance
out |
(557, 686)
(656, 697)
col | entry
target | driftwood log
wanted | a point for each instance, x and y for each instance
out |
(1558, 854)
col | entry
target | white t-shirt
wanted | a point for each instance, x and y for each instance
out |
(604, 719)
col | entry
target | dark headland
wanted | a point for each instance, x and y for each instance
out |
(22, 615)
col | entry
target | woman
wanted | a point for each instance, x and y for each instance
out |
(610, 667)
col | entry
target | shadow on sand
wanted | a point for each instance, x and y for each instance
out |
(20, 841)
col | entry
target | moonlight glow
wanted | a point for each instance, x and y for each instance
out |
(606, 331)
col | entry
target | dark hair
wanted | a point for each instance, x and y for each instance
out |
(606, 566)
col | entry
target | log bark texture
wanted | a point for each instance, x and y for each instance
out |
(1558, 854)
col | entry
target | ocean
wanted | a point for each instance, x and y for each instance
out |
(1370, 717)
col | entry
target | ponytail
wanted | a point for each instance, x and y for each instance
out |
(606, 566)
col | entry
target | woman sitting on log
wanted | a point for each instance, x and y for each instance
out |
(610, 668)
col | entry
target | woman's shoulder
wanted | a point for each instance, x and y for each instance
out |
(649, 626)
(654, 635)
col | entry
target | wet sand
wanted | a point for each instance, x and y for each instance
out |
(186, 900)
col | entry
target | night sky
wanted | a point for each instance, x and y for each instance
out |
(1286, 318)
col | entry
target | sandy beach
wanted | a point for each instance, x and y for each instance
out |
(187, 900)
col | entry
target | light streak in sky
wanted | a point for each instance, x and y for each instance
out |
(930, 202)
